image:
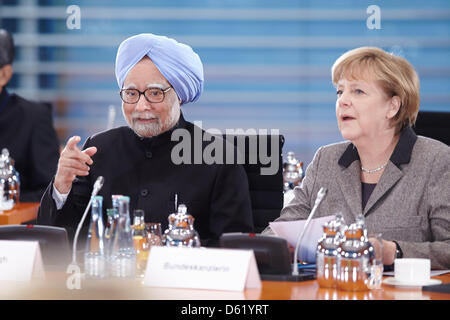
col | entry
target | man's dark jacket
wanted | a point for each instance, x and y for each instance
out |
(216, 195)
(26, 130)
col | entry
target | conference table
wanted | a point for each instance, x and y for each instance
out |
(58, 285)
(21, 213)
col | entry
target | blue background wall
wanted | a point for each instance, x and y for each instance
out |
(267, 63)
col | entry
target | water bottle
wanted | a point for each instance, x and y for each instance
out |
(123, 257)
(110, 230)
(94, 256)
(115, 201)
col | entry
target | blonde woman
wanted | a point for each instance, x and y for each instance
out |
(399, 181)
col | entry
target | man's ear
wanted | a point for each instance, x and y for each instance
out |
(394, 107)
(6, 73)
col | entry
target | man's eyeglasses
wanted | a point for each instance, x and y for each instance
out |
(153, 95)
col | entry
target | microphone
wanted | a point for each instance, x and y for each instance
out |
(320, 195)
(97, 186)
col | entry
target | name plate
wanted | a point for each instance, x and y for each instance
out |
(202, 268)
(20, 260)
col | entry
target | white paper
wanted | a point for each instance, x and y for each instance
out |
(20, 260)
(202, 268)
(290, 230)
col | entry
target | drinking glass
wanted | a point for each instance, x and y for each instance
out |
(138, 217)
(376, 267)
(154, 234)
(140, 241)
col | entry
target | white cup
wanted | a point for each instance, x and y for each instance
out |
(412, 271)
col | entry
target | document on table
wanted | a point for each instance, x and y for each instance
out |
(290, 230)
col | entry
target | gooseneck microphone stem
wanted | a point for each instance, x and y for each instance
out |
(320, 195)
(97, 186)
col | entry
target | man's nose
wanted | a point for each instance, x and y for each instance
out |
(142, 104)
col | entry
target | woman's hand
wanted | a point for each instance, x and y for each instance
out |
(389, 250)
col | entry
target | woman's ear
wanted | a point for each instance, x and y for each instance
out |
(394, 107)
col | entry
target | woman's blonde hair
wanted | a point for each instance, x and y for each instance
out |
(395, 75)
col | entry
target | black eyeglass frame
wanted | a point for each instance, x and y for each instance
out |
(143, 93)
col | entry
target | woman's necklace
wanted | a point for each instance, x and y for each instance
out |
(374, 170)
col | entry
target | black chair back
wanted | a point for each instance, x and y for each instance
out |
(53, 241)
(434, 125)
(265, 178)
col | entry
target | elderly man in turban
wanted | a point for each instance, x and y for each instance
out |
(155, 75)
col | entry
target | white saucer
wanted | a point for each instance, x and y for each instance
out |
(393, 282)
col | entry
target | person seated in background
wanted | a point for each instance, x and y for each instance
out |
(26, 130)
(155, 75)
(399, 181)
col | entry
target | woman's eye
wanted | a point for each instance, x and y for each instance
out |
(339, 92)
(359, 91)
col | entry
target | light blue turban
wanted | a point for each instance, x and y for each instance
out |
(177, 62)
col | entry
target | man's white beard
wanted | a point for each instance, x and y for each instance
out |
(147, 130)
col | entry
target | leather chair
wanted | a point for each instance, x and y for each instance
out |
(434, 125)
(266, 190)
(53, 241)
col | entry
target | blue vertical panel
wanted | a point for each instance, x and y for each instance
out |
(267, 63)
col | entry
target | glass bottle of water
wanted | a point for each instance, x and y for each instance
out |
(115, 212)
(123, 257)
(94, 256)
(115, 201)
(110, 230)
